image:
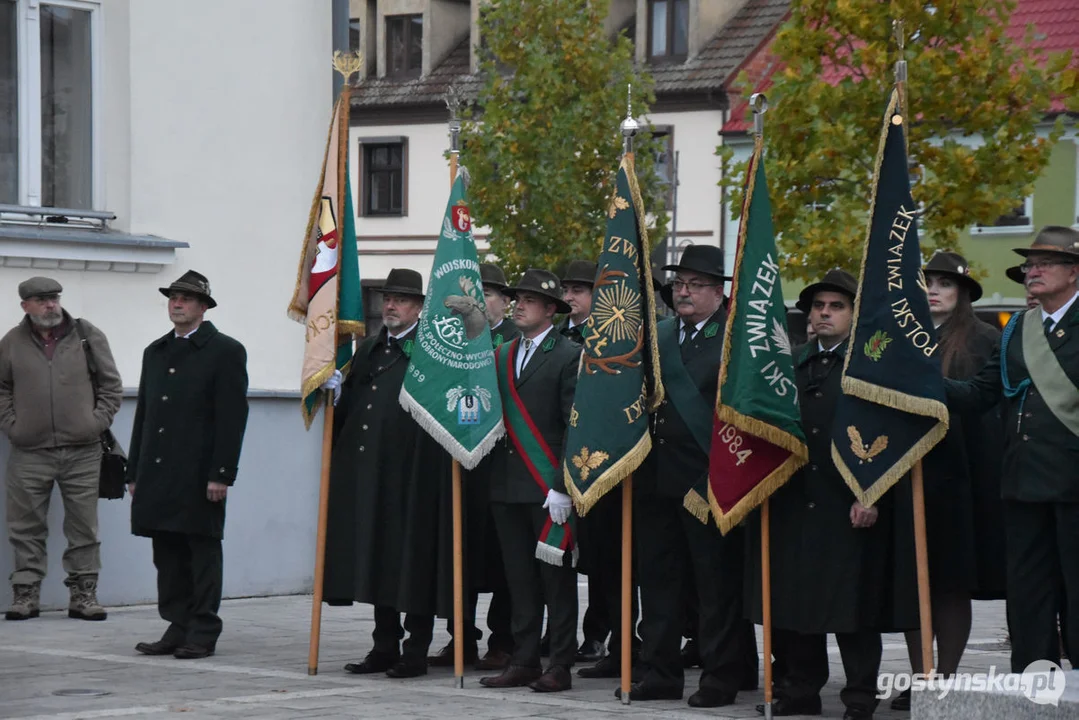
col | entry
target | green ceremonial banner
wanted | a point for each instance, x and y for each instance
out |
(757, 440)
(451, 388)
(618, 384)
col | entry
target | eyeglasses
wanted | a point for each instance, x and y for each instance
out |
(1041, 265)
(693, 286)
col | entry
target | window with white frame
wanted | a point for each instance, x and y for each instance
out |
(1017, 221)
(48, 103)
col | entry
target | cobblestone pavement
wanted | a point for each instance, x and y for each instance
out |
(260, 671)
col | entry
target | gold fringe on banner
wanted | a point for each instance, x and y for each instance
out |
(696, 505)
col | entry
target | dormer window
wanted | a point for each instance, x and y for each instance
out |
(668, 30)
(404, 44)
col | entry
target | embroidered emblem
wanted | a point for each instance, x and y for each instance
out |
(876, 345)
(617, 203)
(865, 453)
(406, 348)
(548, 344)
(588, 461)
(574, 416)
(498, 339)
(711, 329)
(468, 403)
(462, 222)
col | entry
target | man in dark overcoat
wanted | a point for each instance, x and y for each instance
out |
(537, 378)
(831, 557)
(483, 559)
(1035, 377)
(387, 477)
(671, 543)
(185, 450)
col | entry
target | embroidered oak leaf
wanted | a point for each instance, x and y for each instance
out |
(453, 396)
(863, 452)
(588, 461)
(484, 395)
(617, 203)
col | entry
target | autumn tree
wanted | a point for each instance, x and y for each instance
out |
(975, 99)
(542, 143)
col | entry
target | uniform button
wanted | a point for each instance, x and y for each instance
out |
(1028, 414)
(817, 394)
(387, 351)
(1025, 438)
(368, 406)
(165, 398)
(661, 421)
(664, 402)
(374, 387)
(811, 505)
(824, 361)
(815, 430)
(814, 468)
(172, 371)
(364, 427)
(361, 448)
(157, 460)
(221, 471)
(662, 441)
(160, 430)
(511, 451)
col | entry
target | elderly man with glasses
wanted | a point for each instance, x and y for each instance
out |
(675, 539)
(1035, 376)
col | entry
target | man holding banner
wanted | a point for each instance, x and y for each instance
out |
(674, 538)
(537, 377)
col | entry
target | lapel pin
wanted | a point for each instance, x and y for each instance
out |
(1060, 333)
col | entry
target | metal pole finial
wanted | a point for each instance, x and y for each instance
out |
(452, 98)
(759, 104)
(630, 126)
(900, 40)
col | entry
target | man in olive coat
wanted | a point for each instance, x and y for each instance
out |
(1035, 377)
(675, 541)
(387, 511)
(185, 450)
(832, 559)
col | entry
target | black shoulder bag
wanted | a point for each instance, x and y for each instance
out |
(113, 476)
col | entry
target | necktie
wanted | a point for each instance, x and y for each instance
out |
(688, 331)
(526, 348)
(1048, 325)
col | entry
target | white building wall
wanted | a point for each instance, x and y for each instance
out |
(215, 117)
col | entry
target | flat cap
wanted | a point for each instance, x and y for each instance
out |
(39, 286)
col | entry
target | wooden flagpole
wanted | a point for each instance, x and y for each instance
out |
(627, 587)
(320, 537)
(921, 547)
(629, 128)
(921, 552)
(453, 102)
(766, 603)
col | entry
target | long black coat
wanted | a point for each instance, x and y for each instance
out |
(189, 428)
(827, 576)
(963, 510)
(389, 494)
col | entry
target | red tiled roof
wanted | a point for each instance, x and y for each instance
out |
(1056, 29)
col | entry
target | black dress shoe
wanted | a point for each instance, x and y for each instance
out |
(858, 713)
(494, 660)
(408, 669)
(161, 647)
(193, 652)
(512, 676)
(901, 701)
(608, 667)
(782, 706)
(375, 662)
(707, 697)
(556, 679)
(591, 651)
(691, 656)
(643, 692)
(444, 657)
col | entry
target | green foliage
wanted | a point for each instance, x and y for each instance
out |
(543, 143)
(966, 80)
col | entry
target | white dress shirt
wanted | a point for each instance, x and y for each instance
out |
(525, 353)
(1060, 313)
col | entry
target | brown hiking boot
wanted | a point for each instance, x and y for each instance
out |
(26, 603)
(84, 604)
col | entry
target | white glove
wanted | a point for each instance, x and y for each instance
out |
(334, 383)
(559, 506)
